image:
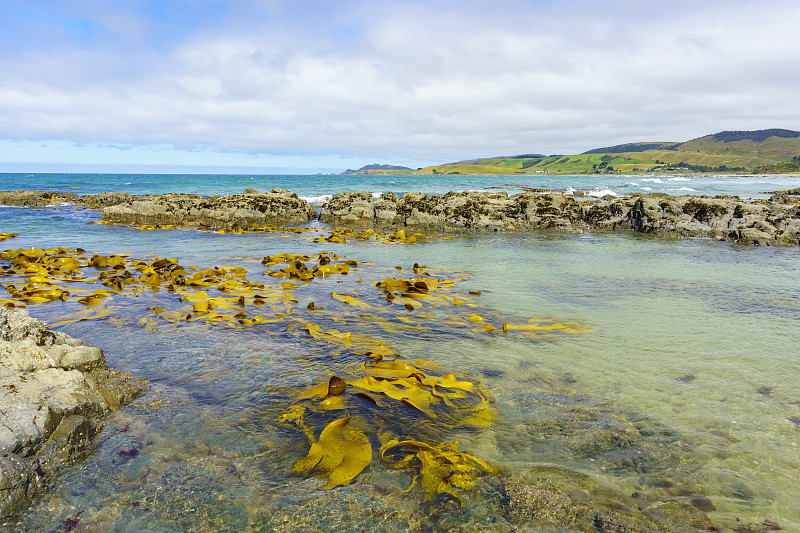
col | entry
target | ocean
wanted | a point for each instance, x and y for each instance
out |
(633, 373)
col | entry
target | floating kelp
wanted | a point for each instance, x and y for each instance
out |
(391, 387)
(438, 469)
(5, 236)
(253, 228)
(340, 235)
(537, 326)
(406, 400)
(342, 450)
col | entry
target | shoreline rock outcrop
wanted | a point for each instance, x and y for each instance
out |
(55, 392)
(729, 218)
(775, 221)
(232, 211)
(44, 198)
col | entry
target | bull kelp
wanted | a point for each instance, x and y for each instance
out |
(307, 384)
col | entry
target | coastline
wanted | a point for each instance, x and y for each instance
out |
(55, 392)
(771, 222)
(525, 378)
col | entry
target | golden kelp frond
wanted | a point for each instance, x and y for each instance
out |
(284, 258)
(341, 235)
(5, 236)
(438, 469)
(540, 326)
(346, 298)
(252, 228)
(333, 335)
(296, 269)
(399, 389)
(341, 450)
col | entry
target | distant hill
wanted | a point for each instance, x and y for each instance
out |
(367, 168)
(633, 147)
(755, 136)
(770, 150)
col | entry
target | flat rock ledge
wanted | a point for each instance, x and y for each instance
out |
(55, 392)
(728, 218)
(45, 198)
(234, 211)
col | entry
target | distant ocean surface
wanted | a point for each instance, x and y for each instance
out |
(318, 188)
(677, 384)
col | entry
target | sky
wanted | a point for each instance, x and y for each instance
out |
(305, 86)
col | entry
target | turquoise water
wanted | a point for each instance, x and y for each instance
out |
(320, 187)
(691, 364)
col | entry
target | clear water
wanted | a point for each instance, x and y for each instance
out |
(694, 343)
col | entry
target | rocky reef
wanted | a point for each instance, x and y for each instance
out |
(44, 198)
(729, 218)
(232, 211)
(775, 221)
(55, 392)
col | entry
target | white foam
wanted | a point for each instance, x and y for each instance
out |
(689, 189)
(317, 200)
(601, 193)
(654, 180)
(679, 179)
(570, 191)
(632, 184)
(647, 188)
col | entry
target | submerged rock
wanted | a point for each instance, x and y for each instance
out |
(54, 394)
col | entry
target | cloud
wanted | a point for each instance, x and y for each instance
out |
(427, 81)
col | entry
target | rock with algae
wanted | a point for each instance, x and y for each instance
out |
(729, 218)
(232, 211)
(54, 394)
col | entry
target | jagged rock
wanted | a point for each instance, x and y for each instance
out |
(386, 210)
(54, 394)
(721, 217)
(354, 208)
(233, 211)
(105, 199)
(548, 211)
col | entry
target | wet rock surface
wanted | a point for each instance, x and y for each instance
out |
(55, 392)
(728, 218)
(233, 211)
(45, 198)
(773, 222)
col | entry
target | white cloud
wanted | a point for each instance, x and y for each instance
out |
(439, 81)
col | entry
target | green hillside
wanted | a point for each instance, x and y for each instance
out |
(772, 150)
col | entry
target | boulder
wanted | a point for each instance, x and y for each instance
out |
(55, 392)
(105, 199)
(349, 208)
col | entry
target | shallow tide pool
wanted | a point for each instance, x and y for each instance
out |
(659, 371)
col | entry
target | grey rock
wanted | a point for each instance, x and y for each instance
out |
(54, 394)
(352, 208)
(721, 217)
(232, 211)
(27, 198)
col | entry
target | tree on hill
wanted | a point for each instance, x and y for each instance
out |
(755, 136)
